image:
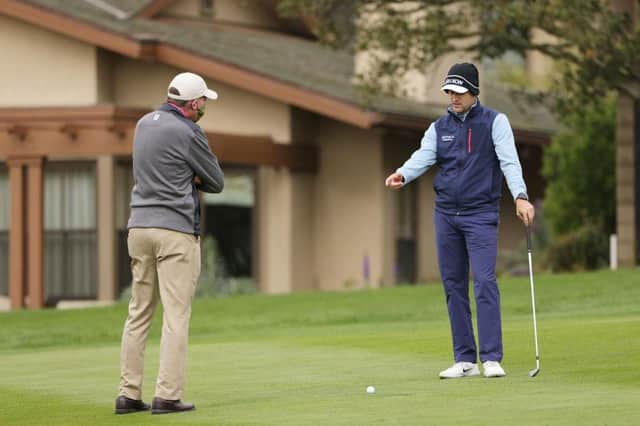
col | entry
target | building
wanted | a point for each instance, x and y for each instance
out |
(305, 207)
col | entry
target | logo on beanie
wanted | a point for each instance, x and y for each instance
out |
(455, 81)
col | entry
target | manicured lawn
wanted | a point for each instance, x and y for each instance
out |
(306, 359)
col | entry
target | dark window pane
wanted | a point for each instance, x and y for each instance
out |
(70, 265)
(4, 263)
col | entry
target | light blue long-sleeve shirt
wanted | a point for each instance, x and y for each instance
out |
(503, 142)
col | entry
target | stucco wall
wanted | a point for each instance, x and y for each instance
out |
(35, 73)
(349, 215)
(285, 212)
(251, 12)
(141, 84)
(398, 148)
(303, 131)
(105, 73)
(245, 12)
(183, 8)
(427, 265)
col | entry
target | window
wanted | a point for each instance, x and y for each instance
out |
(123, 186)
(70, 232)
(228, 218)
(405, 232)
(5, 208)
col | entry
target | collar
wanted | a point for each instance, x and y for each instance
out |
(177, 111)
(168, 106)
(463, 115)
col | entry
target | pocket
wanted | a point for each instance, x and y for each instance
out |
(440, 181)
(496, 219)
(197, 259)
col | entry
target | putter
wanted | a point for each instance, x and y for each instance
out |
(536, 370)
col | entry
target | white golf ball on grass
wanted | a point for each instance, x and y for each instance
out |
(371, 389)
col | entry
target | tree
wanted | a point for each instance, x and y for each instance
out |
(596, 49)
(579, 167)
(593, 41)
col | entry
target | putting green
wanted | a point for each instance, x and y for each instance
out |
(306, 359)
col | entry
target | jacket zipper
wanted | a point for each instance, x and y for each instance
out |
(469, 141)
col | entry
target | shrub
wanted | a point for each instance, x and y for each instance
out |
(213, 281)
(515, 261)
(584, 248)
(579, 167)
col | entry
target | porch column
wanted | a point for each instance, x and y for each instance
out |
(106, 228)
(625, 181)
(26, 233)
(627, 157)
(16, 234)
(35, 231)
(274, 228)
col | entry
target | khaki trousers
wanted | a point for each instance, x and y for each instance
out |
(165, 266)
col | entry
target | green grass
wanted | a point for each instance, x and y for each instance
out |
(306, 359)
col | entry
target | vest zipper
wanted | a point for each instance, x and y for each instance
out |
(469, 141)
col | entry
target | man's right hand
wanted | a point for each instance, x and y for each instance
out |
(395, 180)
(525, 211)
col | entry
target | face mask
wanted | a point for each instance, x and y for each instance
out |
(200, 113)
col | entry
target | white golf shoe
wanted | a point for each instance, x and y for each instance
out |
(493, 369)
(460, 369)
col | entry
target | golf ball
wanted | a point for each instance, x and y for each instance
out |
(371, 389)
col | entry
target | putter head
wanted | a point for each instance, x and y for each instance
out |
(534, 372)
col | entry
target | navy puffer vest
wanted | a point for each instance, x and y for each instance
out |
(469, 179)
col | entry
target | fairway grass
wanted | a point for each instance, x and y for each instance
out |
(306, 359)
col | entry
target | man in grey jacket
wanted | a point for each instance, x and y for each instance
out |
(171, 162)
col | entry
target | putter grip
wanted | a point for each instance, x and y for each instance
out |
(529, 238)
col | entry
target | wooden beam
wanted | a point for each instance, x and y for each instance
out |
(73, 114)
(16, 234)
(262, 151)
(106, 130)
(81, 142)
(64, 141)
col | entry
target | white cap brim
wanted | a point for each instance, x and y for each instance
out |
(211, 94)
(454, 88)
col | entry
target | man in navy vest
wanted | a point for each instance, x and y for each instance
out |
(474, 148)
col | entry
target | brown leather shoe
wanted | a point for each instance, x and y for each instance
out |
(126, 405)
(165, 406)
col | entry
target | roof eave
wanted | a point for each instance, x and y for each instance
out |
(153, 8)
(169, 54)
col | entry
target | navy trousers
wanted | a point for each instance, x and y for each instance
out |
(463, 241)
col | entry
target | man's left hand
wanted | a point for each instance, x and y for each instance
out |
(525, 211)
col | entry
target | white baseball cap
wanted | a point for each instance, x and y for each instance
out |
(187, 86)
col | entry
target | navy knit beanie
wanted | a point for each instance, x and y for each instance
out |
(462, 78)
